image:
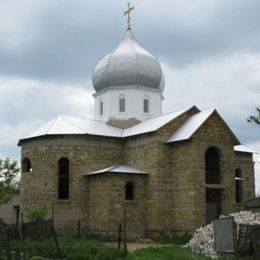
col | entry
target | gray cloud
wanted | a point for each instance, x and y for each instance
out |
(62, 41)
(210, 53)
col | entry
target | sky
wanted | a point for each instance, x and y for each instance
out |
(209, 51)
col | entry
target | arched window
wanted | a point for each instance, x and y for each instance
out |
(101, 107)
(212, 166)
(26, 165)
(239, 186)
(146, 104)
(122, 103)
(129, 191)
(63, 186)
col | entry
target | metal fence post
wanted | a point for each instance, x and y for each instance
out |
(124, 234)
(79, 229)
(119, 236)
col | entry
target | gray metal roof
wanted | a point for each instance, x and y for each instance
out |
(120, 169)
(243, 149)
(190, 126)
(127, 65)
(67, 125)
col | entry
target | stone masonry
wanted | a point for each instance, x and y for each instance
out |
(172, 196)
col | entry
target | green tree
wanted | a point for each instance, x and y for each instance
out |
(8, 172)
(256, 118)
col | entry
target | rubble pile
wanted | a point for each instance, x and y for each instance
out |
(203, 238)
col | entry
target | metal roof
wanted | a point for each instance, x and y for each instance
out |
(128, 64)
(63, 125)
(190, 126)
(243, 149)
(119, 168)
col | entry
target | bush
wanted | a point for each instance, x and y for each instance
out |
(37, 214)
(170, 237)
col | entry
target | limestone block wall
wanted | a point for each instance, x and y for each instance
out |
(188, 187)
(8, 211)
(145, 153)
(188, 170)
(40, 186)
(107, 204)
(172, 197)
(243, 161)
(140, 150)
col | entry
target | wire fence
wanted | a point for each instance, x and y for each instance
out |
(14, 239)
(17, 241)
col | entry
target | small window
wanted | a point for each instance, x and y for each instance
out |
(63, 188)
(101, 108)
(122, 103)
(129, 191)
(146, 105)
(26, 165)
(239, 186)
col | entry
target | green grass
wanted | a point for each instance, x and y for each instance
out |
(92, 249)
(71, 249)
(174, 252)
(165, 253)
(174, 239)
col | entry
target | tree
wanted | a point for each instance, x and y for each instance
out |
(8, 172)
(256, 118)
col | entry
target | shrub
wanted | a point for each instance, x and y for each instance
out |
(37, 214)
(168, 236)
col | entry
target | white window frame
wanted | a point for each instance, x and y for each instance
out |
(122, 97)
(101, 107)
(146, 98)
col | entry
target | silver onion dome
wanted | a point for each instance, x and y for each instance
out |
(128, 65)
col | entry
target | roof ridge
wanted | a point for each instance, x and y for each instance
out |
(53, 124)
(74, 124)
(90, 119)
(200, 118)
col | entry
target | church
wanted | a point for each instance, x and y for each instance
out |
(175, 171)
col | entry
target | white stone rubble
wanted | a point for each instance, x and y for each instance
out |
(203, 238)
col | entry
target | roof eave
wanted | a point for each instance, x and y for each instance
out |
(111, 172)
(23, 140)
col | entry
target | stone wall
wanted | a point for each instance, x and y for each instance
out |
(188, 169)
(149, 153)
(40, 186)
(107, 203)
(172, 196)
(243, 161)
(8, 211)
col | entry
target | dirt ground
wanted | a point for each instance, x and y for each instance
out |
(131, 246)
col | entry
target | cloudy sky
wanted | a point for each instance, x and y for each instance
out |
(209, 51)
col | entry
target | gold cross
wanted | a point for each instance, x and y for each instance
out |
(128, 12)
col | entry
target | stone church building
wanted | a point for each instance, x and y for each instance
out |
(175, 171)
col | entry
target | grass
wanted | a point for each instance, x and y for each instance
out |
(173, 239)
(165, 253)
(92, 249)
(71, 249)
